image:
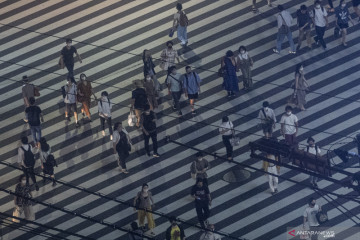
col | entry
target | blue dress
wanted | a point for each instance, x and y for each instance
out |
(230, 79)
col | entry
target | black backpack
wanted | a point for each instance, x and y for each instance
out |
(29, 158)
(123, 147)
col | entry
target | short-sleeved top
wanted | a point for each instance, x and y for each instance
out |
(342, 14)
(314, 150)
(289, 122)
(200, 192)
(116, 135)
(199, 165)
(24, 191)
(226, 126)
(147, 121)
(175, 82)
(85, 89)
(319, 17)
(68, 54)
(139, 94)
(191, 82)
(310, 214)
(303, 18)
(145, 202)
(33, 115)
(71, 95)
(27, 91)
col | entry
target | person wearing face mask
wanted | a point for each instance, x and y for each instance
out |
(200, 192)
(191, 85)
(67, 57)
(310, 217)
(342, 20)
(145, 200)
(104, 109)
(148, 126)
(149, 68)
(209, 233)
(230, 83)
(199, 167)
(150, 90)
(22, 203)
(168, 56)
(289, 126)
(320, 20)
(175, 231)
(313, 149)
(26, 160)
(300, 86)
(245, 63)
(139, 100)
(267, 119)
(304, 25)
(121, 145)
(175, 85)
(84, 95)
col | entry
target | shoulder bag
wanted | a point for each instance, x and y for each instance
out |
(284, 29)
(234, 141)
(322, 217)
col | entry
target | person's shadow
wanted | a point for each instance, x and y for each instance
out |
(187, 55)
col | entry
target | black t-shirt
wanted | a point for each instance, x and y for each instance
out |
(68, 54)
(148, 122)
(140, 97)
(200, 192)
(33, 115)
(303, 18)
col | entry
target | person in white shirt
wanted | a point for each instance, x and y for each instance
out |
(267, 119)
(289, 126)
(320, 20)
(26, 160)
(104, 106)
(209, 233)
(313, 149)
(310, 216)
(70, 100)
(273, 169)
(226, 130)
(123, 153)
(284, 22)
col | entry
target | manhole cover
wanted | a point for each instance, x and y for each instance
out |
(236, 175)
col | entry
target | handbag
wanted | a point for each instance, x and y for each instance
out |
(221, 72)
(234, 141)
(322, 217)
(132, 119)
(36, 92)
(171, 32)
(17, 213)
(284, 29)
(193, 175)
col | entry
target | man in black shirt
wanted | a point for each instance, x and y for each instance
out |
(139, 100)
(201, 194)
(304, 24)
(148, 125)
(34, 115)
(67, 57)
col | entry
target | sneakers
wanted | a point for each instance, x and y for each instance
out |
(103, 133)
(156, 155)
(111, 137)
(275, 51)
(292, 52)
(206, 222)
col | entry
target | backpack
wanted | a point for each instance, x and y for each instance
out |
(29, 159)
(123, 147)
(49, 164)
(183, 20)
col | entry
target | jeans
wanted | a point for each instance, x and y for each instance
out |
(176, 97)
(182, 34)
(29, 172)
(36, 133)
(153, 136)
(102, 122)
(228, 146)
(202, 211)
(320, 31)
(280, 39)
(70, 68)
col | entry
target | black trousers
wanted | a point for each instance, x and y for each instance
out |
(229, 147)
(320, 31)
(122, 159)
(70, 68)
(29, 172)
(202, 211)
(102, 122)
(153, 136)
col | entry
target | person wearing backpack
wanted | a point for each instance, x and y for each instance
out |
(139, 100)
(121, 145)
(175, 87)
(284, 22)
(34, 115)
(320, 20)
(148, 126)
(47, 160)
(181, 22)
(26, 160)
(104, 108)
(191, 84)
(313, 149)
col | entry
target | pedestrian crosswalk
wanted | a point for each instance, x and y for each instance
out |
(110, 36)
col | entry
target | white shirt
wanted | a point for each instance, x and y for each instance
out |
(320, 15)
(105, 109)
(116, 135)
(310, 214)
(21, 156)
(289, 122)
(312, 150)
(226, 126)
(287, 18)
(71, 95)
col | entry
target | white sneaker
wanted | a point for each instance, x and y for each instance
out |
(103, 133)
(111, 138)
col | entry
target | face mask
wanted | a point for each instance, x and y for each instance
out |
(343, 5)
(242, 52)
(266, 108)
(69, 44)
(146, 190)
(317, 6)
(288, 113)
(200, 159)
(83, 78)
(104, 98)
(148, 78)
(23, 182)
(170, 46)
(301, 69)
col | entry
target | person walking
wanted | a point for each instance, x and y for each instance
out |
(273, 169)
(284, 22)
(310, 216)
(84, 93)
(67, 57)
(168, 56)
(104, 109)
(148, 126)
(22, 200)
(175, 231)
(228, 65)
(149, 68)
(342, 20)
(175, 86)
(27, 91)
(201, 194)
(26, 160)
(191, 85)
(300, 87)
(226, 130)
(180, 23)
(254, 8)
(289, 126)
(151, 93)
(199, 167)
(312, 148)
(144, 200)
(139, 100)
(304, 25)
(121, 145)
(47, 161)
(135, 228)
(245, 63)
(70, 101)
(267, 119)
(209, 233)
(320, 20)
(34, 115)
